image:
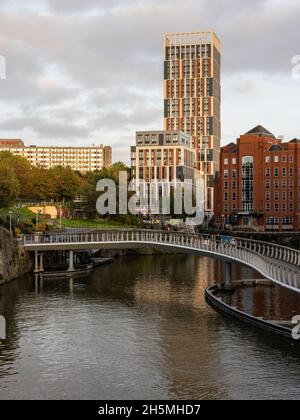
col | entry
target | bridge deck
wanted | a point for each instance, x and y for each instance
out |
(277, 263)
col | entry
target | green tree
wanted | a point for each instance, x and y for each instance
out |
(66, 183)
(23, 172)
(9, 185)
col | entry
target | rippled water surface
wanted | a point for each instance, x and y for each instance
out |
(140, 328)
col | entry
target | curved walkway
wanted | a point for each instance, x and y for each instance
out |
(277, 263)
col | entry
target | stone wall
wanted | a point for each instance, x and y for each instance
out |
(14, 262)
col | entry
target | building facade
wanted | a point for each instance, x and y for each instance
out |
(162, 159)
(192, 98)
(82, 159)
(258, 185)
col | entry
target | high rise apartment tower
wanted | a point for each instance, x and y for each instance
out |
(192, 97)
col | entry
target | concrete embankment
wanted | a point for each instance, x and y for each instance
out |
(14, 261)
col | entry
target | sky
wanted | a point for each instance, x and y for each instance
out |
(82, 72)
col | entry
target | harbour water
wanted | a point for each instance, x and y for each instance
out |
(140, 328)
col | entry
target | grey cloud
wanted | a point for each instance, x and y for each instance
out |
(77, 6)
(45, 128)
(107, 66)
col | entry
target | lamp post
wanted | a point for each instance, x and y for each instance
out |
(60, 221)
(37, 219)
(10, 221)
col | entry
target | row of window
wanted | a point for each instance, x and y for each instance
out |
(283, 171)
(268, 159)
(286, 220)
(267, 184)
(277, 183)
(276, 159)
(284, 207)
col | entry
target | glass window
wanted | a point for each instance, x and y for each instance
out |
(247, 183)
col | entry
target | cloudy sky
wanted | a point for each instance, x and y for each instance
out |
(90, 71)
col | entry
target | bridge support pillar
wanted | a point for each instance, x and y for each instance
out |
(227, 274)
(36, 262)
(41, 262)
(71, 261)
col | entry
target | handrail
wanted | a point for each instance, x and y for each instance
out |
(278, 263)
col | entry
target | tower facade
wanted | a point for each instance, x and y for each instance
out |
(192, 98)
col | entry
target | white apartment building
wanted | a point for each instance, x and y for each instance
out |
(82, 159)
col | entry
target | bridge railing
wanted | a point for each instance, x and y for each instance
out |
(274, 251)
(276, 262)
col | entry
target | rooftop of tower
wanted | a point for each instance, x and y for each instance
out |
(200, 37)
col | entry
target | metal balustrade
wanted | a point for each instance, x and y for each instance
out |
(277, 263)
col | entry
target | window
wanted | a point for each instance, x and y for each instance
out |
(247, 183)
(234, 161)
(287, 220)
(276, 171)
(234, 173)
(276, 159)
(268, 172)
(283, 171)
(268, 159)
(225, 161)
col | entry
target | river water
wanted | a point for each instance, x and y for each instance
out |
(140, 328)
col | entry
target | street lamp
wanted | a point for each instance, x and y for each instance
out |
(37, 219)
(10, 221)
(60, 221)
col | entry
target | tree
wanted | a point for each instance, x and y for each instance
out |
(23, 172)
(42, 188)
(66, 183)
(9, 185)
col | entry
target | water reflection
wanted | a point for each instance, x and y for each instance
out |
(140, 328)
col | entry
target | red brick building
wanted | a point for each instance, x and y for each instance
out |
(258, 185)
